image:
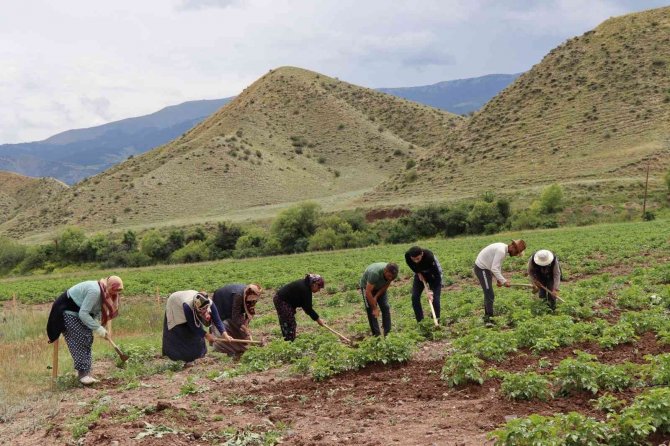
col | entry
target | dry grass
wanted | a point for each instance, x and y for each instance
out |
(596, 108)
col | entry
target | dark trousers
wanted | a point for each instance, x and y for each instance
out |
(484, 276)
(385, 309)
(549, 298)
(435, 285)
(286, 315)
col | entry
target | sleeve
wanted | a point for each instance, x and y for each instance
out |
(91, 300)
(409, 262)
(238, 310)
(496, 266)
(190, 321)
(557, 275)
(531, 270)
(216, 320)
(309, 310)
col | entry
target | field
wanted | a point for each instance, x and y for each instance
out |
(595, 372)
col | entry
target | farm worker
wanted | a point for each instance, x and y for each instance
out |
(297, 294)
(374, 283)
(545, 272)
(427, 269)
(236, 304)
(187, 315)
(488, 263)
(81, 311)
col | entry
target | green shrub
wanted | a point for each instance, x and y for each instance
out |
(293, 227)
(620, 333)
(395, 347)
(572, 429)
(526, 386)
(577, 374)
(551, 200)
(11, 254)
(193, 252)
(461, 368)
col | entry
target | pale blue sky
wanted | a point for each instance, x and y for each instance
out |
(79, 63)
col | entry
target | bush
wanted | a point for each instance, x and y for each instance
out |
(293, 227)
(225, 240)
(154, 245)
(11, 254)
(256, 242)
(70, 245)
(193, 252)
(551, 200)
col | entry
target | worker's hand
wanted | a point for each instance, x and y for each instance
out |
(508, 284)
(430, 296)
(321, 322)
(535, 289)
(375, 311)
(555, 292)
(421, 278)
(210, 338)
(100, 331)
(499, 283)
(226, 336)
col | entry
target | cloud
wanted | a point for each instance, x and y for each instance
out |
(195, 5)
(97, 106)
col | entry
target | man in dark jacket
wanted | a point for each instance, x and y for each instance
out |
(426, 269)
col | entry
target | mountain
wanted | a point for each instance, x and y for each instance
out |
(18, 193)
(75, 154)
(596, 109)
(292, 135)
(461, 96)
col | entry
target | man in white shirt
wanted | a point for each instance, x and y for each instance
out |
(488, 264)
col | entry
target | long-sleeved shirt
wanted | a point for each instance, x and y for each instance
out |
(229, 300)
(546, 275)
(299, 294)
(429, 266)
(199, 329)
(88, 298)
(491, 258)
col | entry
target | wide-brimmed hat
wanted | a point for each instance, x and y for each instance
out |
(520, 245)
(543, 257)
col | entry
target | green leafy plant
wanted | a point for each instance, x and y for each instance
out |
(526, 386)
(461, 368)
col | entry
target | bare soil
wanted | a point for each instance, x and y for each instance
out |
(403, 404)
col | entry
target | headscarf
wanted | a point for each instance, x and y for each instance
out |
(316, 279)
(201, 302)
(109, 292)
(251, 295)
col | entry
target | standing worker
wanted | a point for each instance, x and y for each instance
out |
(374, 283)
(488, 263)
(545, 272)
(236, 304)
(297, 294)
(81, 311)
(187, 315)
(426, 269)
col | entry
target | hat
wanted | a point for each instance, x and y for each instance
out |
(543, 257)
(520, 245)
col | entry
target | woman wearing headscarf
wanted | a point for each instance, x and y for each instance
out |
(296, 295)
(79, 312)
(236, 304)
(188, 314)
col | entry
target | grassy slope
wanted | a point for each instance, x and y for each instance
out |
(244, 155)
(18, 193)
(596, 108)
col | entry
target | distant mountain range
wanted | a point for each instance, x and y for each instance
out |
(73, 155)
(461, 96)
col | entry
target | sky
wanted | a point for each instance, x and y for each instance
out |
(80, 63)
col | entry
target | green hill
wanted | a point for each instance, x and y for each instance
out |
(292, 135)
(596, 108)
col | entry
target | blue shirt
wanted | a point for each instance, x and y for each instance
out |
(87, 296)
